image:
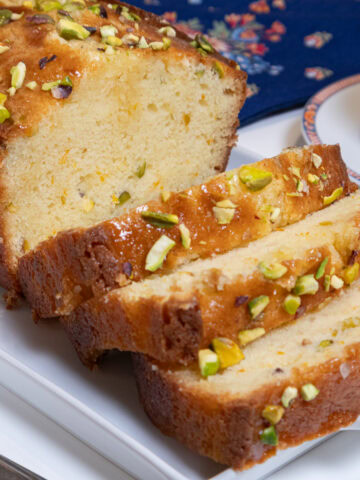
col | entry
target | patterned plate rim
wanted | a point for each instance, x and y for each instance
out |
(313, 105)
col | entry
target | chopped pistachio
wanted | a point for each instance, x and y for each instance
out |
(219, 69)
(254, 178)
(48, 5)
(95, 9)
(275, 212)
(272, 271)
(326, 343)
(3, 98)
(257, 305)
(327, 280)
(16, 16)
(157, 254)
(299, 186)
(316, 160)
(208, 362)
(31, 85)
(4, 114)
(87, 204)
(285, 177)
(66, 82)
(143, 43)
(313, 179)
(123, 198)
(130, 39)
(185, 236)
(291, 304)
(294, 194)
(248, 336)
(224, 211)
(269, 436)
(204, 44)
(4, 48)
(321, 270)
(69, 30)
(156, 45)
(108, 31)
(140, 172)
(5, 16)
(323, 176)
(334, 196)
(273, 413)
(295, 171)
(18, 75)
(200, 73)
(168, 31)
(309, 392)
(288, 396)
(227, 351)
(165, 196)
(351, 273)
(133, 17)
(112, 41)
(166, 43)
(306, 285)
(11, 91)
(160, 219)
(336, 282)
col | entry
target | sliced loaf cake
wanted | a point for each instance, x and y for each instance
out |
(272, 281)
(228, 211)
(102, 107)
(296, 383)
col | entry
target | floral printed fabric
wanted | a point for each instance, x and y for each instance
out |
(289, 48)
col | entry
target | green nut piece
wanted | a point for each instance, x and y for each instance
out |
(208, 362)
(95, 9)
(219, 69)
(108, 31)
(3, 49)
(156, 256)
(133, 17)
(18, 75)
(291, 304)
(254, 178)
(31, 85)
(185, 236)
(351, 273)
(3, 98)
(140, 172)
(248, 336)
(5, 16)
(272, 271)
(257, 305)
(327, 281)
(123, 198)
(159, 219)
(326, 343)
(321, 270)
(316, 160)
(202, 43)
(295, 171)
(4, 114)
(143, 43)
(309, 392)
(273, 413)
(166, 43)
(48, 5)
(313, 179)
(288, 396)
(334, 196)
(306, 285)
(70, 30)
(336, 282)
(224, 211)
(113, 41)
(167, 31)
(269, 436)
(227, 351)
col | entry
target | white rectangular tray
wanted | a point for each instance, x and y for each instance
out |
(38, 364)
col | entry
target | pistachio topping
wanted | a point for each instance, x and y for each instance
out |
(327, 280)
(130, 39)
(272, 271)
(167, 31)
(273, 413)
(313, 179)
(201, 43)
(140, 172)
(108, 31)
(336, 282)
(269, 436)
(122, 198)
(18, 75)
(224, 211)
(31, 85)
(158, 252)
(227, 351)
(143, 43)
(306, 285)
(321, 270)
(3, 49)
(159, 219)
(4, 114)
(70, 30)
(165, 196)
(166, 43)
(112, 41)
(208, 362)
(257, 305)
(299, 186)
(295, 171)
(291, 304)
(288, 396)
(219, 69)
(326, 343)
(156, 45)
(351, 273)
(254, 178)
(248, 336)
(5, 16)
(316, 160)
(133, 17)
(185, 236)
(274, 214)
(309, 392)
(334, 196)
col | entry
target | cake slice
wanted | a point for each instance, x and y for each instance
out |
(295, 384)
(102, 107)
(210, 218)
(251, 290)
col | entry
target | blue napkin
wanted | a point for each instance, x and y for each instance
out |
(289, 48)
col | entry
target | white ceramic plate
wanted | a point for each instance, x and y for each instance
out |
(333, 116)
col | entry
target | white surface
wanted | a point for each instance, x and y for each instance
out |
(111, 391)
(338, 121)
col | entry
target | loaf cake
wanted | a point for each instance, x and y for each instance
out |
(270, 282)
(296, 383)
(102, 107)
(76, 265)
